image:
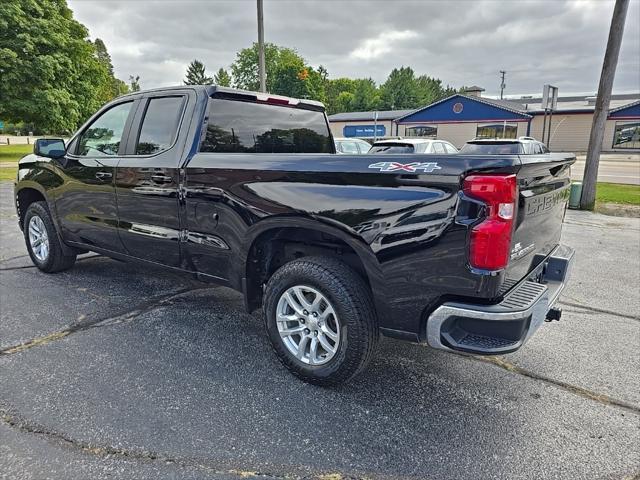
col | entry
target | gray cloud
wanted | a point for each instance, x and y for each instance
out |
(460, 42)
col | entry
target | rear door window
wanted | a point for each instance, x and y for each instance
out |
(246, 127)
(439, 147)
(160, 125)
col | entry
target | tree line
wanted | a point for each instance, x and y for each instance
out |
(53, 77)
(288, 73)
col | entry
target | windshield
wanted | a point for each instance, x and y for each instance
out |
(391, 148)
(493, 148)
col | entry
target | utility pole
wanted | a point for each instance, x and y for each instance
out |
(502, 84)
(261, 74)
(590, 178)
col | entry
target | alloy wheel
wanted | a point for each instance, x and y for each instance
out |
(308, 325)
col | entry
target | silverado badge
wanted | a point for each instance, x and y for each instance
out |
(405, 167)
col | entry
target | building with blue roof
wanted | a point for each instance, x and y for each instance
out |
(461, 117)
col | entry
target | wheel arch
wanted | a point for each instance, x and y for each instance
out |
(273, 242)
(26, 193)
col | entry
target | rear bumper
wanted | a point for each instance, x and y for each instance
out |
(506, 326)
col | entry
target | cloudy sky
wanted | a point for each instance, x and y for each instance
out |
(460, 42)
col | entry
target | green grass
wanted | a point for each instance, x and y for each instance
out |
(617, 193)
(13, 153)
(8, 174)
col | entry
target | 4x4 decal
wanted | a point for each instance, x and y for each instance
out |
(405, 167)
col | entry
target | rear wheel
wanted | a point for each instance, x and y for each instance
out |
(42, 240)
(320, 320)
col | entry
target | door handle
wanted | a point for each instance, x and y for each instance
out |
(103, 175)
(158, 178)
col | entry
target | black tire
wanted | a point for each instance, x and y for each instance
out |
(55, 260)
(351, 300)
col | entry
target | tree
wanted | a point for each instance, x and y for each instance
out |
(134, 83)
(366, 96)
(51, 75)
(103, 54)
(400, 90)
(297, 80)
(117, 86)
(222, 78)
(196, 74)
(336, 91)
(244, 69)
(343, 103)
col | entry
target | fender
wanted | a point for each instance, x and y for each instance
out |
(360, 247)
(33, 175)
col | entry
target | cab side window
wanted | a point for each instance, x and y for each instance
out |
(102, 137)
(160, 125)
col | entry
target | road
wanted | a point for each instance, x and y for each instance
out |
(112, 370)
(616, 168)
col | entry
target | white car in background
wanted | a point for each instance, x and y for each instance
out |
(413, 145)
(504, 146)
(351, 146)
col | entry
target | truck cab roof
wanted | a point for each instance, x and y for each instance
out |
(216, 90)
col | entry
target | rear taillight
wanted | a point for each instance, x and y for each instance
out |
(490, 241)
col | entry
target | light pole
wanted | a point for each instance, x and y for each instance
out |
(261, 74)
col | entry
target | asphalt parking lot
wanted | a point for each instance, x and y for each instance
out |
(113, 370)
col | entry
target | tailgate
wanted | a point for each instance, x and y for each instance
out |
(543, 184)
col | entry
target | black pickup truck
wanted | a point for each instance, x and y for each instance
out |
(244, 189)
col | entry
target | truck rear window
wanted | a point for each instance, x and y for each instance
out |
(392, 148)
(493, 148)
(245, 127)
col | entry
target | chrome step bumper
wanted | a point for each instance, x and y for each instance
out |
(506, 326)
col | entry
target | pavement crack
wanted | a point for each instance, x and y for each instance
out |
(580, 391)
(13, 258)
(7, 269)
(599, 310)
(120, 317)
(209, 467)
(596, 225)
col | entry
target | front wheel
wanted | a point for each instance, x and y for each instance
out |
(42, 240)
(320, 320)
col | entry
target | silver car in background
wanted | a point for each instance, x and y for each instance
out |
(351, 146)
(413, 145)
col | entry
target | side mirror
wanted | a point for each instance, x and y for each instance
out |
(49, 147)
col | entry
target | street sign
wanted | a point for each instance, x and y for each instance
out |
(549, 103)
(364, 131)
(549, 97)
